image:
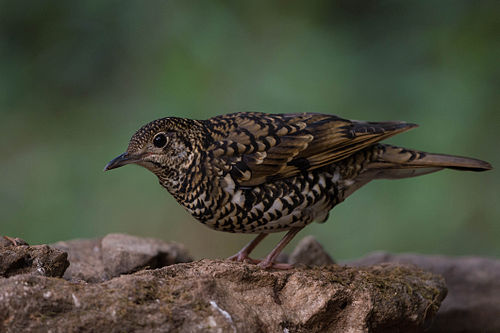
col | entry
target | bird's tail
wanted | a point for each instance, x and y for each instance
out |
(397, 162)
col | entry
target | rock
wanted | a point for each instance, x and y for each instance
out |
(310, 252)
(97, 260)
(283, 257)
(85, 256)
(9, 241)
(473, 301)
(123, 254)
(224, 296)
(36, 260)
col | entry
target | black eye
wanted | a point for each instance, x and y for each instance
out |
(160, 140)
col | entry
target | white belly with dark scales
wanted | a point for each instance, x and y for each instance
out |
(276, 206)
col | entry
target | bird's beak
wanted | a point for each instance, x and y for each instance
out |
(119, 161)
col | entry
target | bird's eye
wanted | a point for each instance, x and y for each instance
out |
(160, 140)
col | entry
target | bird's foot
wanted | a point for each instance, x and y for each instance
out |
(243, 257)
(238, 257)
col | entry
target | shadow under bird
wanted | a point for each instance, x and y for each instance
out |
(260, 173)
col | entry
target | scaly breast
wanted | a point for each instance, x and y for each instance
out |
(270, 207)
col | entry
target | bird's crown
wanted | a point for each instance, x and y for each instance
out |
(157, 133)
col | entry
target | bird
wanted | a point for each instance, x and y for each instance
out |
(261, 173)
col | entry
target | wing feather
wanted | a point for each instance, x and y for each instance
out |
(256, 147)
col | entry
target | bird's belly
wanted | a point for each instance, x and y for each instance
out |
(276, 206)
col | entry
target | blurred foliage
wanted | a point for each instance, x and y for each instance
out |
(78, 78)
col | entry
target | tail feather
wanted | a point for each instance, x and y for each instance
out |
(456, 162)
(398, 162)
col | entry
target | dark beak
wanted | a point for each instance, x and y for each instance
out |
(119, 161)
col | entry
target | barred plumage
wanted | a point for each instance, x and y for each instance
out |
(264, 173)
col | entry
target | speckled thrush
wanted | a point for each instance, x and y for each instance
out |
(262, 173)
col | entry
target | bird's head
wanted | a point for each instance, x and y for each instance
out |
(164, 146)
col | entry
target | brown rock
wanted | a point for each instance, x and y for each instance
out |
(85, 256)
(36, 260)
(124, 254)
(97, 260)
(310, 252)
(224, 296)
(9, 241)
(473, 301)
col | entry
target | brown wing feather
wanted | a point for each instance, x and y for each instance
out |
(255, 147)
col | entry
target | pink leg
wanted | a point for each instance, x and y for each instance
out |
(243, 254)
(269, 261)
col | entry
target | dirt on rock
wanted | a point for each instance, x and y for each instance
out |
(473, 301)
(36, 260)
(223, 296)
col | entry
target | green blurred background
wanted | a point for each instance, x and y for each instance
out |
(78, 78)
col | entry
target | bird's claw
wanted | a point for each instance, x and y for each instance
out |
(242, 257)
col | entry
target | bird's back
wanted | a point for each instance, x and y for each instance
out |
(257, 147)
(271, 172)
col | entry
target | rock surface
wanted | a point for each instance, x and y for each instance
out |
(240, 291)
(99, 259)
(473, 301)
(85, 258)
(311, 253)
(9, 241)
(223, 296)
(36, 260)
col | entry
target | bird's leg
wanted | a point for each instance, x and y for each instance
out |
(242, 255)
(269, 261)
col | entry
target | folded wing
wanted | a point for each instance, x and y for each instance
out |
(255, 147)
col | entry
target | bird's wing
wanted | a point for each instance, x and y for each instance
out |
(257, 147)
